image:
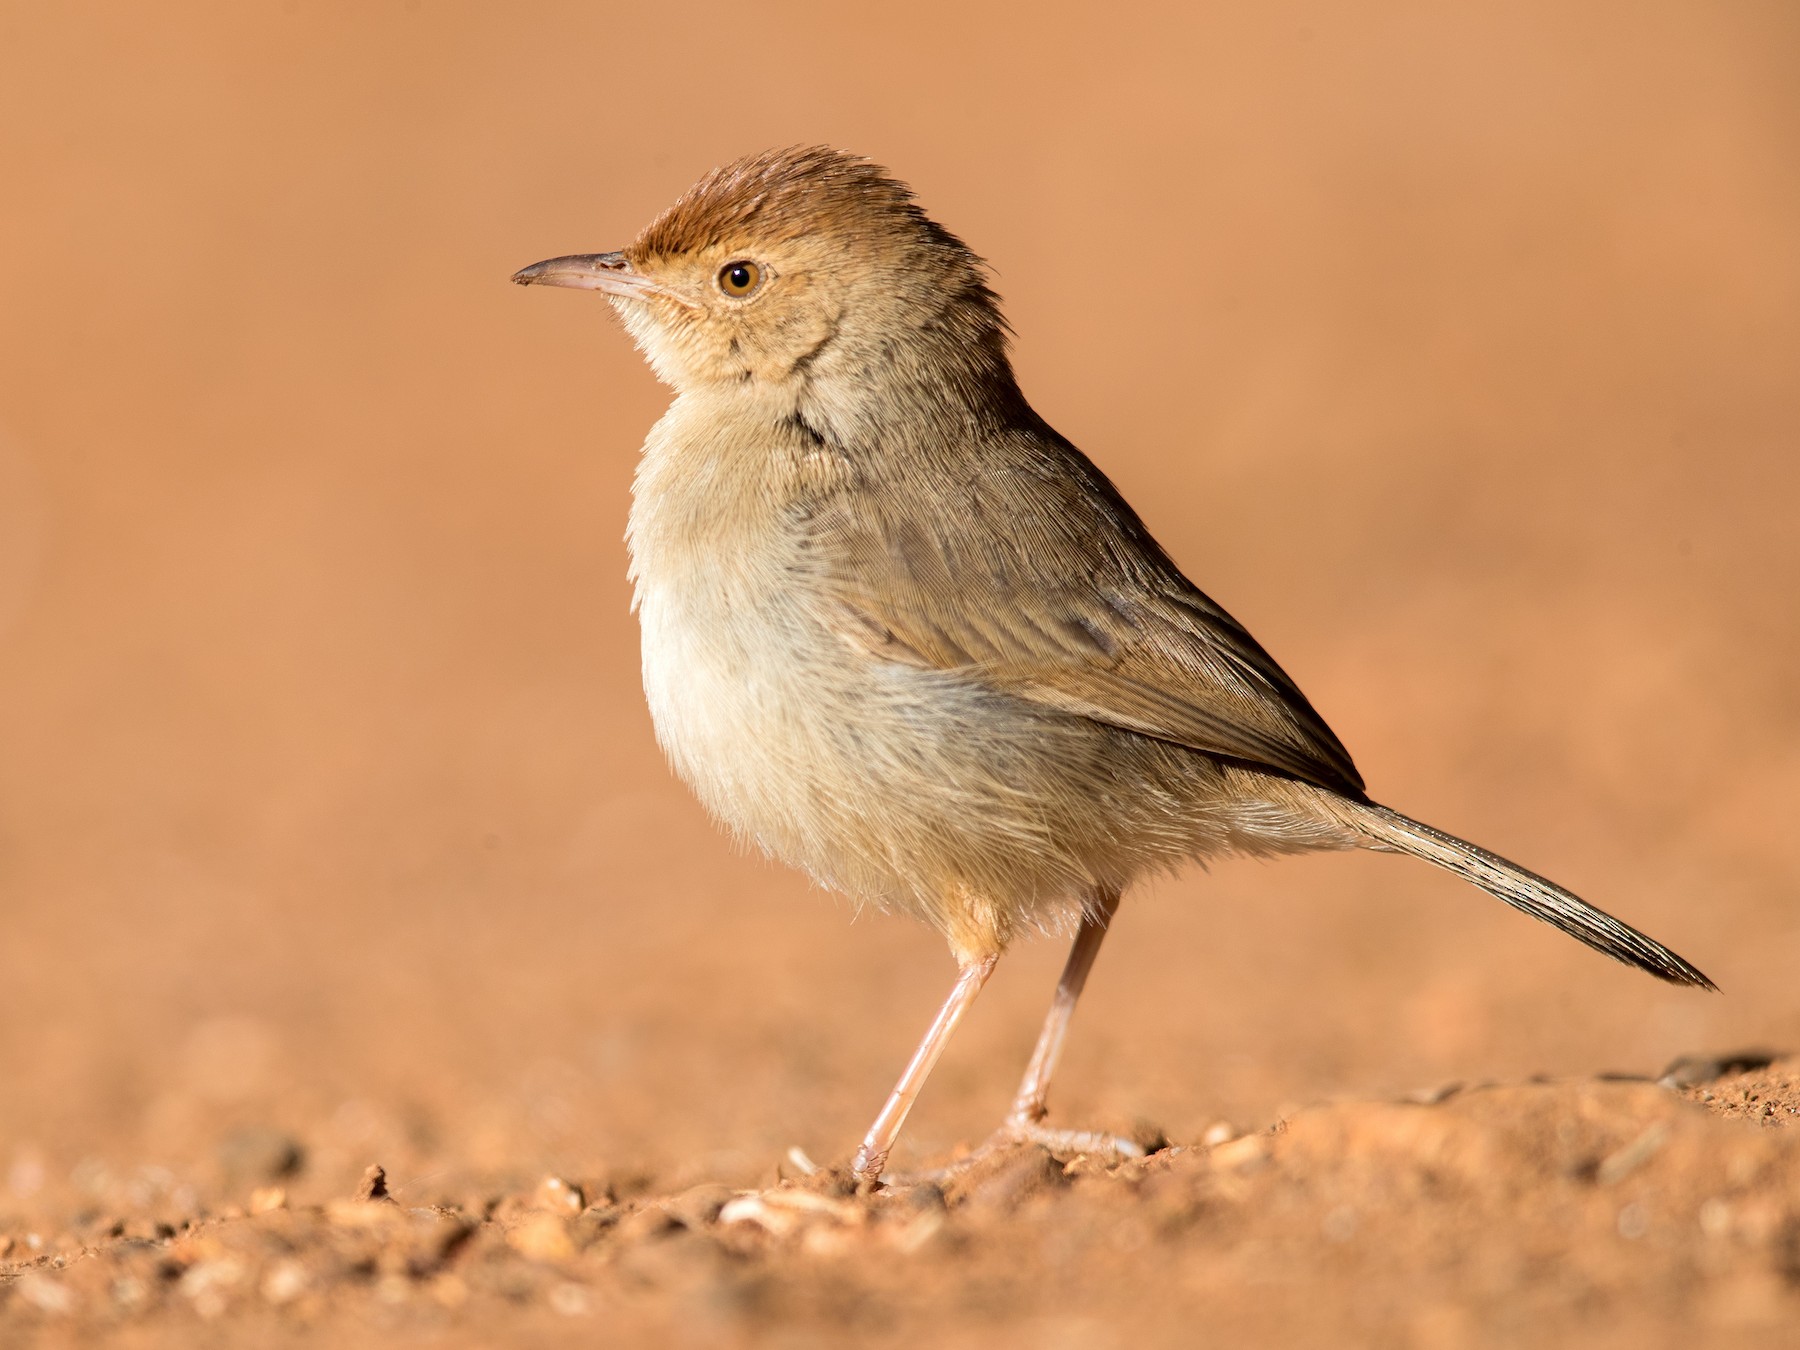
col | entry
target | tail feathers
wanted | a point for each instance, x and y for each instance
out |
(1538, 897)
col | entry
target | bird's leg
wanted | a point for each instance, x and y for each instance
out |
(1025, 1121)
(1032, 1103)
(876, 1145)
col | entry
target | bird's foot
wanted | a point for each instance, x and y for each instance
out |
(1067, 1143)
(1021, 1131)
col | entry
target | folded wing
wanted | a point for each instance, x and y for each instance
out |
(1013, 566)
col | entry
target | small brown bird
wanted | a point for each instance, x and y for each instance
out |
(901, 634)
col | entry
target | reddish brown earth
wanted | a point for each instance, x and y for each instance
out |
(1453, 349)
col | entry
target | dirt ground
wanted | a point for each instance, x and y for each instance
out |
(1454, 349)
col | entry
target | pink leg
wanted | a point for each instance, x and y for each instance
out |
(879, 1142)
(1024, 1124)
(1031, 1104)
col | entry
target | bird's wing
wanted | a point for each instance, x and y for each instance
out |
(1027, 571)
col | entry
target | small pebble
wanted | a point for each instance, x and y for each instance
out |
(559, 1197)
(267, 1198)
(571, 1300)
(801, 1163)
(285, 1282)
(1250, 1151)
(45, 1293)
(542, 1237)
(374, 1184)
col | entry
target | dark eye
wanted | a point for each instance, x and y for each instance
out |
(738, 279)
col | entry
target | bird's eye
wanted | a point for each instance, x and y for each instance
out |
(739, 279)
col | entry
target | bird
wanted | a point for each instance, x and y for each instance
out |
(901, 634)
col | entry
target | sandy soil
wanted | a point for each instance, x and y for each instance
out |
(1617, 1212)
(1452, 350)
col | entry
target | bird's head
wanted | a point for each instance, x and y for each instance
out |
(800, 271)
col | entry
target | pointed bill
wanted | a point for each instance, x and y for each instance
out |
(609, 273)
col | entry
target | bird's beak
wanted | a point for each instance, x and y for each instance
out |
(607, 272)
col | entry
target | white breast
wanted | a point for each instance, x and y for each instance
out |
(732, 661)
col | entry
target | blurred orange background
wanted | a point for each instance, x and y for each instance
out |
(1456, 350)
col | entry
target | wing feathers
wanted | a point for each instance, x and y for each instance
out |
(1043, 602)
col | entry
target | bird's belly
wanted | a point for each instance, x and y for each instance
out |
(894, 784)
(742, 709)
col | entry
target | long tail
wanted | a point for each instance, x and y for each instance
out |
(1537, 896)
